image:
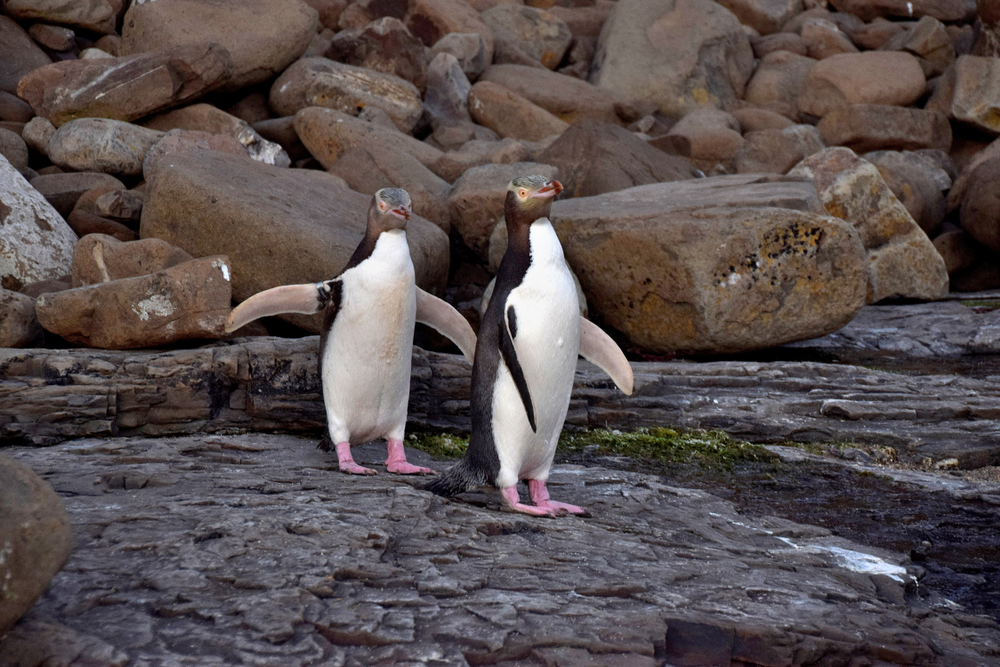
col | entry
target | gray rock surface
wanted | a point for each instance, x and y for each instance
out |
(252, 549)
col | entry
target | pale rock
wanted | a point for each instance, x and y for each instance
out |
(511, 115)
(103, 145)
(447, 98)
(778, 82)
(767, 151)
(527, 32)
(872, 127)
(19, 54)
(918, 181)
(37, 133)
(99, 258)
(468, 47)
(188, 141)
(873, 77)
(18, 327)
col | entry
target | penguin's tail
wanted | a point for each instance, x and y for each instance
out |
(455, 480)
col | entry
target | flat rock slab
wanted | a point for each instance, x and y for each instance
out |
(252, 549)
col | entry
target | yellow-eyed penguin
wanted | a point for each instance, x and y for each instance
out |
(526, 359)
(367, 336)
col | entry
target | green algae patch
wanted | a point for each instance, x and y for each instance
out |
(439, 445)
(665, 446)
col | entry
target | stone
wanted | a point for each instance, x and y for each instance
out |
(63, 190)
(929, 40)
(469, 48)
(806, 137)
(876, 33)
(14, 149)
(447, 98)
(778, 81)
(477, 152)
(431, 20)
(36, 536)
(40, 287)
(53, 37)
(584, 21)
(902, 262)
(688, 266)
(917, 181)
(278, 226)
(18, 328)
(185, 301)
(370, 166)
(943, 10)
(823, 39)
(594, 158)
(103, 145)
(752, 119)
(873, 77)
(19, 54)
(565, 97)
(110, 44)
(872, 127)
(263, 36)
(281, 131)
(675, 56)
(121, 204)
(975, 96)
(767, 151)
(958, 250)
(323, 82)
(13, 109)
(384, 45)
(37, 133)
(125, 88)
(328, 133)
(36, 243)
(252, 108)
(329, 11)
(188, 141)
(98, 259)
(779, 41)
(520, 31)
(85, 222)
(477, 200)
(511, 115)
(453, 136)
(764, 16)
(707, 136)
(980, 214)
(96, 15)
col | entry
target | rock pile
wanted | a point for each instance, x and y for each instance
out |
(673, 125)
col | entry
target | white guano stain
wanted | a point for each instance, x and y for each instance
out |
(909, 8)
(157, 304)
(219, 264)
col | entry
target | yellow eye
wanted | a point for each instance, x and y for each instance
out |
(522, 193)
(381, 206)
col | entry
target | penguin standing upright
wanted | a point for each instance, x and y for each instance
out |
(367, 336)
(526, 359)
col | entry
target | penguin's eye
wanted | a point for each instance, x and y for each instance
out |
(381, 206)
(522, 193)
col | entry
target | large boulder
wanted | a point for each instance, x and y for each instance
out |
(36, 243)
(385, 45)
(594, 157)
(18, 325)
(980, 213)
(673, 55)
(970, 92)
(716, 265)
(125, 88)
(527, 34)
(510, 115)
(278, 226)
(943, 10)
(35, 539)
(102, 145)
(96, 15)
(262, 36)
(18, 53)
(100, 259)
(873, 77)
(777, 83)
(873, 127)
(902, 261)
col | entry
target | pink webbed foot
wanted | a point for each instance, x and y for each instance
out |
(396, 462)
(513, 501)
(347, 463)
(540, 497)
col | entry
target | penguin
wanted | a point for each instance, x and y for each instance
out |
(525, 361)
(367, 336)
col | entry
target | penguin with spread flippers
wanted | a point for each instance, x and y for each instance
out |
(526, 359)
(367, 335)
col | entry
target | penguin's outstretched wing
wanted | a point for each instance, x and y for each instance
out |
(306, 299)
(442, 317)
(508, 332)
(598, 348)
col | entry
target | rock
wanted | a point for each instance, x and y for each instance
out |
(63, 190)
(778, 81)
(877, 33)
(824, 39)
(431, 20)
(520, 32)
(121, 204)
(593, 158)
(14, 149)
(974, 94)
(943, 10)
(103, 145)
(96, 15)
(958, 250)
(328, 133)
(767, 151)
(469, 48)
(764, 16)
(778, 41)
(262, 36)
(980, 213)
(98, 259)
(917, 181)
(565, 97)
(323, 82)
(13, 109)
(33, 640)
(477, 152)
(36, 243)
(929, 40)
(252, 108)
(477, 198)
(95, 54)
(447, 98)
(752, 119)
(87, 222)
(902, 262)
(37, 133)
(871, 127)
(384, 45)
(19, 53)
(370, 166)
(281, 131)
(188, 141)
(329, 11)
(708, 136)
(873, 77)
(278, 226)
(676, 56)
(806, 137)
(510, 115)
(189, 300)
(18, 327)
(53, 37)
(125, 88)
(36, 536)
(584, 21)
(651, 270)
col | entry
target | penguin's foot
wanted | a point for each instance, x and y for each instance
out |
(396, 462)
(513, 501)
(540, 497)
(347, 463)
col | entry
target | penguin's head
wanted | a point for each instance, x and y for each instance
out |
(530, 198)
(390, 209)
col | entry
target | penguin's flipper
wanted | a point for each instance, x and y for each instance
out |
(598, 348)
(508, 331)
(306, 299)
(441, 316)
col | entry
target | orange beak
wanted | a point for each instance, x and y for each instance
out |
(550, 189)
(401, 212)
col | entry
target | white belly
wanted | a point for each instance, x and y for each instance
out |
(366, 362)
(547, 345)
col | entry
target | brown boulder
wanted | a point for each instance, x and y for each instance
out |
(877, 33)
(63, 190)
(18, 327)
(823, 39)
(764, 16)
(943, 10)
(446, 101)
(188, 141)
(777, 83)
(930, 42)
(430, 20)
(752, 119)
(970, 93)
(87, 222)
(708, 136)
(18, 53)
(469, 48)
(103, 145)
(958, 250)
(14, 109)
(510, 115)
(97, 15)
(14, 149)
(779, 41)
(872, 127)
(98, 258)
(873, 77)
(37, 133)
(767, 151)
(980, 213)
(476, 152)
(526, 33)
(918, 182)
(56, 38)
(384, 45)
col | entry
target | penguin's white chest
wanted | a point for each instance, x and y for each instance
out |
(366, 362)
(547, 343)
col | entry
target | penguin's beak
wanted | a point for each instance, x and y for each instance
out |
(401, 212)
(550, 189)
